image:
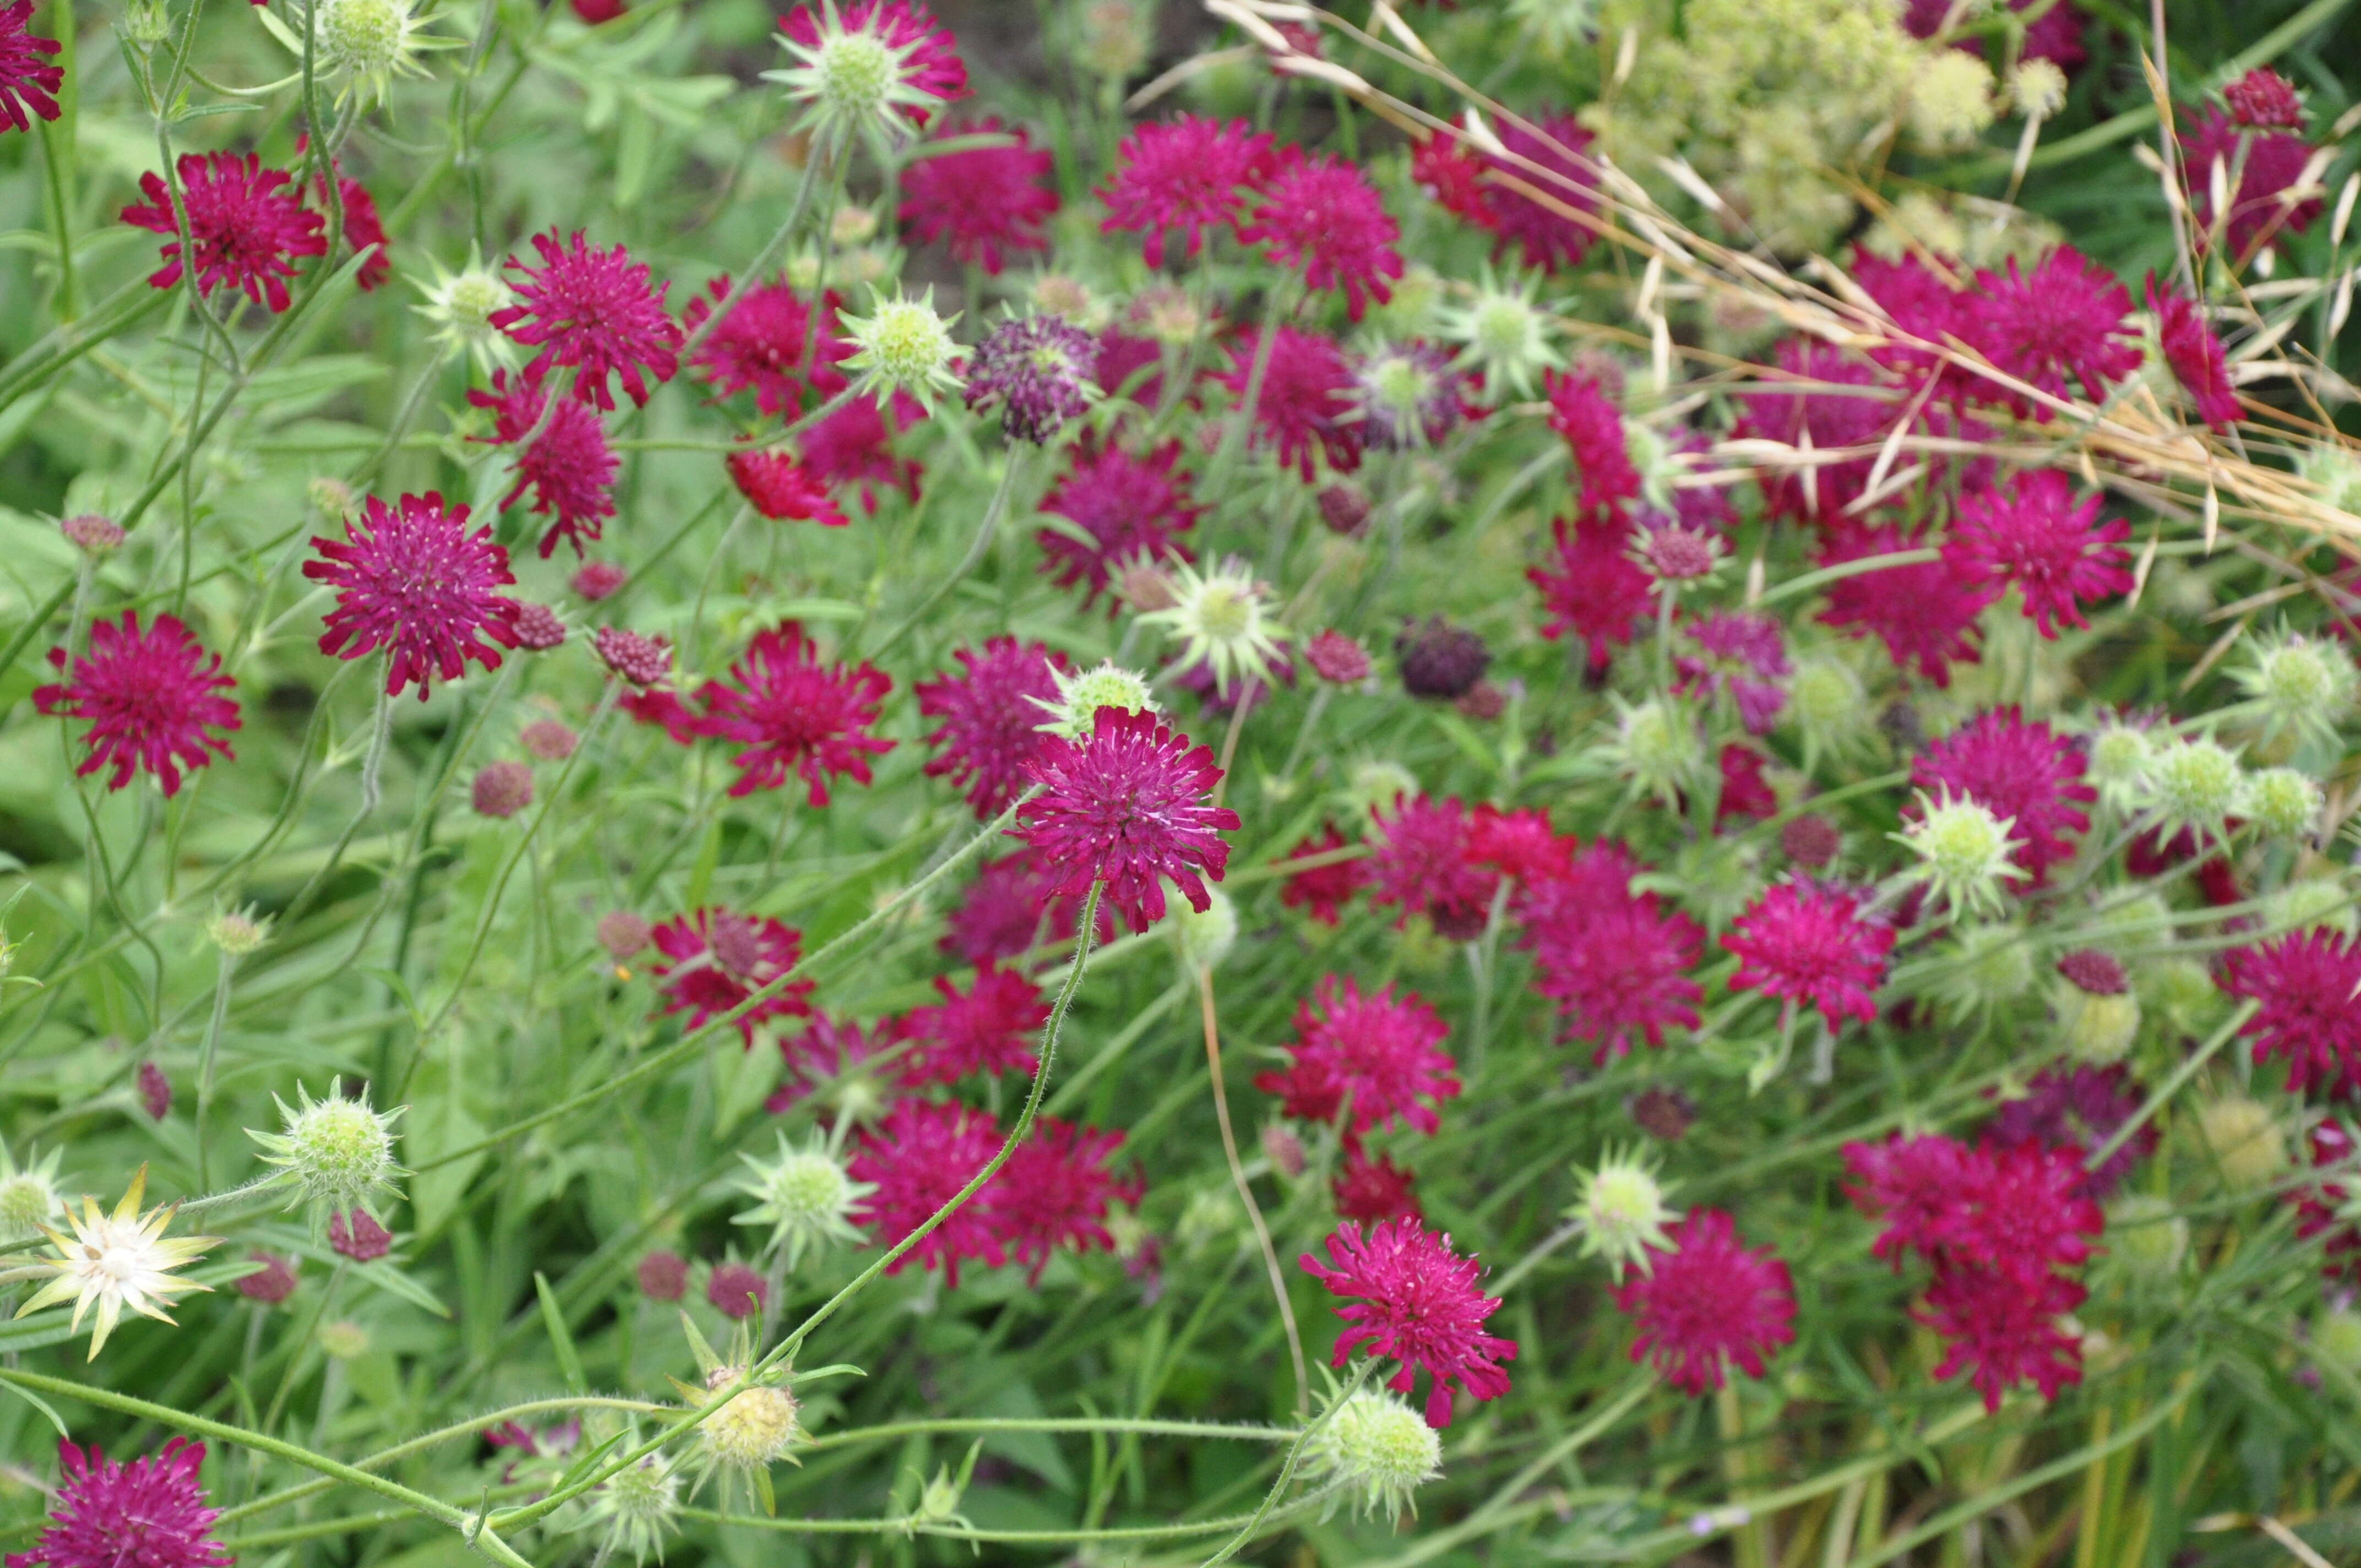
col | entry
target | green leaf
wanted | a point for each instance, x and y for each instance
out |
(43, 1405)
(569, 1360)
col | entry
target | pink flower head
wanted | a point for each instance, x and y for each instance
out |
(597, 580)
(778, 487)
(273, 1283)
(1743, 653)
(1616, 966)
(249, 225)
(411, 579)
(1804, 942)
(759, 346)
(854, 446)
(1707, 1301)
(2069, 319)
(2321, 1211)
(569, 466)
(1337, 657)
(364, 230)
(1453, 176)
(2194, 354)
(2264, 99)
(931, 63)
(1374, 1189)
(990, 724)
(1010, 905)
(988, 1028)
(24, 81)
(918, 1157)
(794, 715)
(1823, 420)
(595, 310)
(1591, 587)
(988, 202)
(1746, 791)
(663, 1276)
(149, 699)
(1418, 1304)
(538, 629)
(1320, 215)
(825, 1051)
(1923, 612)
(2033, 536)
(1582, 413)
(1054, 1192)
(1124, 806)
(1522, 844)
(736, 1291)
(1538, 228)
(2019, 1207)
(155, 1092)
(1381, 1057)
(719, 958)
(2268, 165)
(1307, 392)
(2023, 772)
(1191, 174)
(501, 789)
(644, 661)
(1322, 892)
(2308, 984)
(1422, 864)
(150, 1513)
(356, 1235)
(1923, 305)
(1133, 508)
(2005, 1330)
(2078, 1109)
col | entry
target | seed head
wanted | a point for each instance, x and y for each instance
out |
(1083, 693)
(1375, 786)
(1377, 1451)
(2244, 1140)
(902, 345)
(1621, 1211)
(2146, 1236)
(1829, 709)
(1657, 746)
(2193, 783)
(634, 1508)
(2118, 756)
(754, 1430)
(1206, 937)
(803, 1196)
(2283, 803)
(1222, 619)
(1504, 335)
(238, 932)
(2312, 902)
(1963, 851)
(2304, 685)
(368, 43)
(334, 1153)
(1950, 101)
(1987, 966)
(28, 1195)
(95, 536)
(851, 79)
(459, 306)
(2097, 1028)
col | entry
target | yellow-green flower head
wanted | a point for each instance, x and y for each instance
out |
(28, 1196)
(368, 43)
(1950, 101)
(2283, 803)
(117, 1260)
(1963, 851)
(753, 1429)
(1205, 939)
(854, 79)
(2097, 1028)
(2037, 88)
(1621, 1211)
(459, 306)
(344, 1339)
(2244, 1139)
(633, 1509)
(2312, 902)
(1557, 25)
(334, 1153)
(1828, 707)
(1082, 693)
(2337, 471)
(1985, 966)
(238, 932)
(2146, 1236)
(2183, 992)
(1657, 747)
(1374, 786)
(805, 1196)
(2117, 758)
(1377, 1451)
(1502, 333)
(1222, 619)
(902, 345)
(2336, 1337)
(2304, 685)
(2193, 783)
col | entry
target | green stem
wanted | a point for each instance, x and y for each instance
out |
(2171, 1085)
(1841, 570)
(1286, 1469)
(976, 551)
(228, 966)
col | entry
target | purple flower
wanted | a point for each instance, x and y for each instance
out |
(150, 1513)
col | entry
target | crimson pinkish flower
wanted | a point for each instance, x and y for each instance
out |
(1545, 237)
(2078, 1109)
(155, 1092)
(150, 1513)
(853, 446)
(1591, 587)
(1320, 215)
(2264, 99)
(720, 957)
(1616, 968)
(1191, 174)
(272, 1283)
(1741, 652)
(24, 81)
(1337, 657)
(1582, 413)
(569, 466)
(1823, 420)
(1746, 791)
(2019, 1207)
(2325, 1210)
(778, 487)
(2307, 985)
(149, 699)
(1054, 1192)
(1523, 844)
(1440, 660)
(1453, 176)
(501, 789)
(538, 629)
(2034, 537)
(642, 660)
(1915, 1186)
(2023, 772)
(1376, 1189)
(1804, 942)
(1924, 305)
(1307, 393)
(2194, 354)
(991, 727)
(1922, 611)
(932, 64)
(1322, 892)
(663, 1276)
(988, 202)
(1123, 808)
(2269, 165)
(597, 581)
(759, 346)
(794, 715)
(2068, 319)
(1036, 371)
(2054, 36)
(356, 1235)
(364, 229)
(411, 579)
(1421, 863)
(1133, 508)
(1707, 1301)
(2004, 1328)
(248, 223)
(597, 311)
(736, 1291)
(1012, 904)
(989, 1028)
(825, 1051)
(916, 1158)
(1420, 1305)
(1378, 1056)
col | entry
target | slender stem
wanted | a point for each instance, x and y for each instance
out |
(1246, 1191)
(1286, 1469)
(1843, 570)
(228, 968)
(760, 267)
(2171, 1085)
(373, 764)
(976, 551)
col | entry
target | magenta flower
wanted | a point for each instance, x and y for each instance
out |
(1322, 892)
(2322, 1211)
(918, 1157)
(1582, 413)
(719, 958)
(272, 1283)
(1308, 391)
(596, 310)
(1133, 508)
(2267, 165)
(1123, 808)
(932, 64)
(538, 627)
(149, 699)
(1545, 237)
(1376, 1189)
(1320, 216)
(1823, 420)
(1420, 1305)
(1421, 863)
(1378, 1056)
(1591, 587)
(1012, 904)
(642, 660)
(2021, 771)
(150, 1513)
(248, 223)
(569, 466)
(24, 81)
(1523, 844)
(2069, 319)
(1337, 658)
(1741, 652)
(2266, 100)
(988, 202)
(990, 725)
(411, 579)
(1925, 615)
(2035, 538)
(358, 1236)
(1054, 1192)
(1616, 970)
(778, 487)
(1804, 942)
(1190, 174)
(986, 1029)
(1707, 1301)
(2078, 1109)
(663, 1276)
(1036, 371)
(2194, 354)
(736, 1291)
(854, 446)
(1923, 305)
(364, 230)
(2005, 1330)
(794, 715)
(2307, 985)
(759, 345)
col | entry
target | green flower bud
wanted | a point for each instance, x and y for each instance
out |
(903, 346)
(2146, 1236)
(1964, 851)
(1621, 1211)
(1376, 1449)
(1082, 693)
(2283, 803)
(335, 1153)
(2244, 1142)
(2193, 783)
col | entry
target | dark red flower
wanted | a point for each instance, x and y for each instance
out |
(932, 63)
(2307, 986)
(1191, 174)
(1819, 492)
(2078, 1109)
(1378, 1056)
(1523, 844)
(988, 202)
(24, 81)
(1012, 904)
(1613, 960)
(1337, 657)
(1746, 791)
(1922, 611)
(918, 1159)
(1320, 216)
(989, 1028)
(1376, 1189)
(1418, 1304)
(1473, 185)
(538, 629)
(2035, 538)
(150, 1513)
(2263, 98)
(1582, 413)
(736, 1291)
(155, 1092)
(2023, 772)
(248, 223)
(149, 699)
(796, 716)
(1440, 660)
(1054, 1192)
(990, 722)
(1322, 892)
(1419, 863)
(2269, 165)
(760, 343)
(825, 1051)
(570, 466)
(719, 958)
(1037, 372)
(2068, 319)
(1133, 508)
(1801, 941)
(663, 1276)
(1596, 591)
(778, 487)
(853, 446)
(411, 579)
(273, 1283)
(1307, 395)
(2004, 1328)
(1741, 652)
(1925, 306)
(2325, 1211)
(644, 661)
(1707, 1301)
(364, 230)
(359, 1236)
(2194, 354)
(597, 311)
